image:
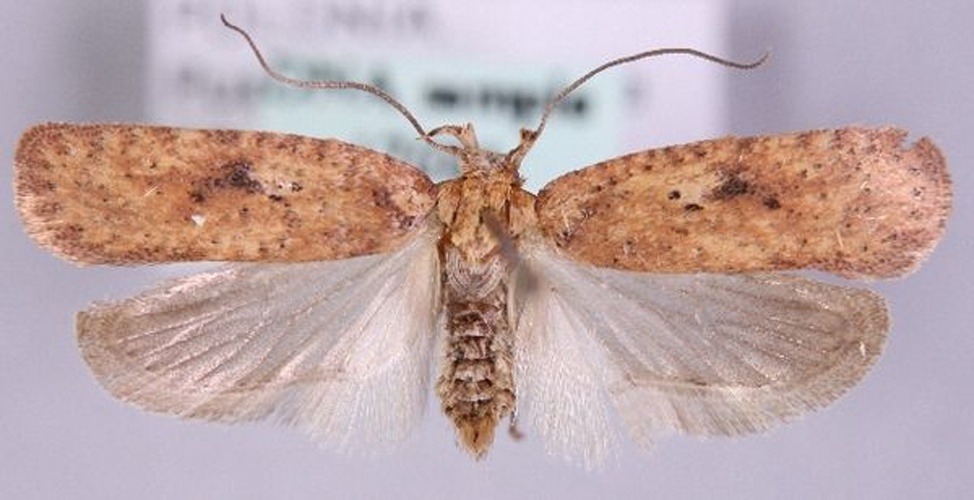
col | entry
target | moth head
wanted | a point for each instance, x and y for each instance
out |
(473, 159)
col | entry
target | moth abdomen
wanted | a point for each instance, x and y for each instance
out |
(476, 383)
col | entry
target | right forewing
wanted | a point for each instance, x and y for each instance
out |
(339, 349)
(859, 202)
(700, 354)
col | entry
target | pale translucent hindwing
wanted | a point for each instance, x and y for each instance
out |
(703, 354)
(560, 392)
(340, 349)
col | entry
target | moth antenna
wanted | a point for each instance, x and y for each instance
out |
(529, 136)
(335, 84)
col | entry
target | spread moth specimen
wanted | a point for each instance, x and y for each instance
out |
(643, 289)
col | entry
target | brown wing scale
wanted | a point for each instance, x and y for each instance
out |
(157, 194)
(852, 201)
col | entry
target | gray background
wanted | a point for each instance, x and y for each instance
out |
(906, 432)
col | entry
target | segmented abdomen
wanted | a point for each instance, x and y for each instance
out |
(476, 383)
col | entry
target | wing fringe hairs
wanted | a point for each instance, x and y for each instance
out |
(700, 354)
(339, 349)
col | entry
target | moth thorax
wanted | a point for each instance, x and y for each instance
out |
(476, 384)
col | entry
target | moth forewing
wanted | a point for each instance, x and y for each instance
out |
(339, 349)
(127, 194)
(856, 202)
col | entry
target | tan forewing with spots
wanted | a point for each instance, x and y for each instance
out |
(158, 194)
(855, 201)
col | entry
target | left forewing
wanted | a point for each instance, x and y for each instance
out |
(699, 353)
(339, 349)
(129, 194)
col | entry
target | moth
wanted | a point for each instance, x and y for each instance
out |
(646, 289)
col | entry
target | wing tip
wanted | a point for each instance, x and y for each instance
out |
(922, 200)
(35, 195)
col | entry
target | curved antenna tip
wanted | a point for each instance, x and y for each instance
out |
(560, 96)
(334, 84)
